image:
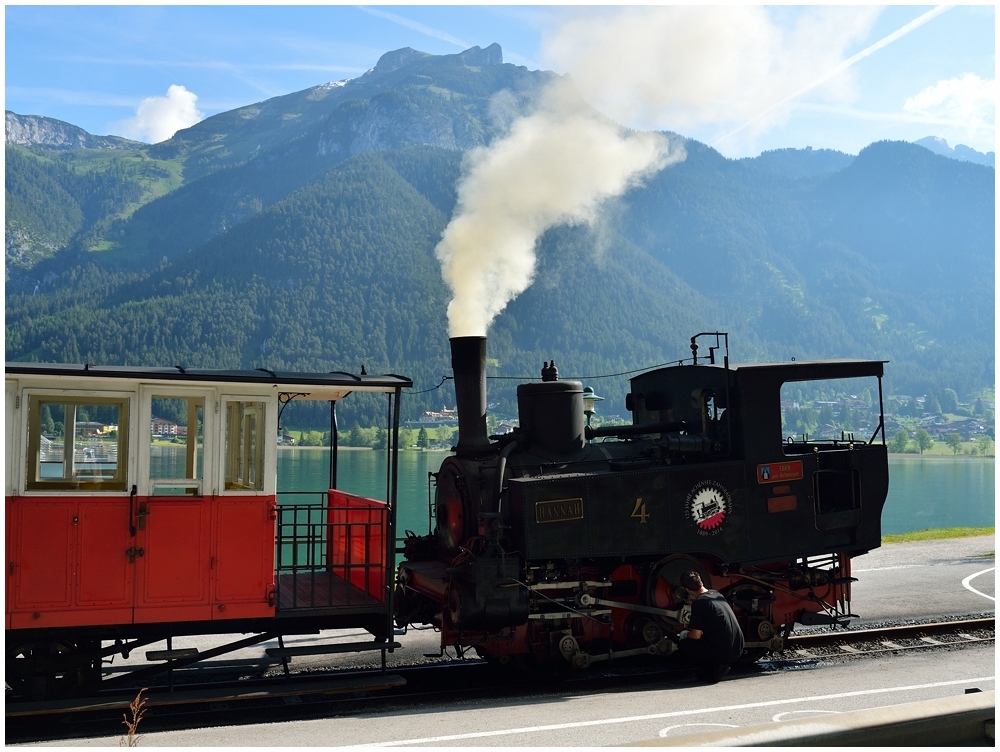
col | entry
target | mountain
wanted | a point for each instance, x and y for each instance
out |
(34, 130)
(961, 152)
(801, 163)
(300, 233)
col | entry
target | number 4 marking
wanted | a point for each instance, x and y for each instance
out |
(639, 511)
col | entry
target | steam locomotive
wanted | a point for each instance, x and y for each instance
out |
(558, 542)
(564, 542)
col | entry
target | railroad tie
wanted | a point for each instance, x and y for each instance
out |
(805, 653)
(849, 649)
(931, 641)
(892, 645)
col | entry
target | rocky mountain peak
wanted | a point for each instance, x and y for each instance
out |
(396, 59)
(492, 55)
(476, 57)
(35, 130)
(961, 152)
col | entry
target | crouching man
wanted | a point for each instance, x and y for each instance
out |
(713, 638)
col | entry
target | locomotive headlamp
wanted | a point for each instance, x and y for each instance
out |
(589, 400)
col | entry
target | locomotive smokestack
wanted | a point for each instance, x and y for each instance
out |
(468, 361)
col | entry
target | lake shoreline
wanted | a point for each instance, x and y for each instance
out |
(912, 456)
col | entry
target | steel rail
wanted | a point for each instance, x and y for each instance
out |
(824, 639)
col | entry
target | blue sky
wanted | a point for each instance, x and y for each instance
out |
(803, 77)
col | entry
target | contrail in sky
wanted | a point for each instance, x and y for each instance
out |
(416, 26)
(901, 32)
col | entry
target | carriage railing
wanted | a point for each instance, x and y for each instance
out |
(330, 551)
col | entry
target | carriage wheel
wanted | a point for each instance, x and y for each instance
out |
(44, 670)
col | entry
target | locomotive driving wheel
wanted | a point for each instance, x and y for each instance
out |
(664, 587)
(752, 605)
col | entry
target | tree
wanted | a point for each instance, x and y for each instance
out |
(48, 425)
(931, 405)
(353, 437)
(949, 401)
(422, 440)
(924, 440)
(986, 446)
(897, 444)
(445, 433)
(826, 417)
(954, 440)
(381, 439)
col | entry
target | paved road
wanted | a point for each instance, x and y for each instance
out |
(580, 719)
(927, 578)
(936, 578)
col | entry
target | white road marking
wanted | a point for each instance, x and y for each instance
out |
(886, 569)
(674, 714)
(971, 577)
(668, 729)
(781, 716)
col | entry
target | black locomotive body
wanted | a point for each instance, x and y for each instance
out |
(558, 541)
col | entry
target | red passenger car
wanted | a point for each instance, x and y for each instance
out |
(113, 543)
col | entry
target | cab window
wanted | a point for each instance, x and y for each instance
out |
(77, 443)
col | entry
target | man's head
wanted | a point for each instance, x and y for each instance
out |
(691, 581)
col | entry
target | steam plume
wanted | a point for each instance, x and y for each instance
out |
(554, 167)
(682, 67)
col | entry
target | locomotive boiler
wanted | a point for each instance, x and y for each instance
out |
(562, 542)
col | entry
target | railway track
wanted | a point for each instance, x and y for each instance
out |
(313, 695)
(891, 639)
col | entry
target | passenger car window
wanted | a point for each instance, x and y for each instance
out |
(176, 445)
(244, 445)
(77, 443)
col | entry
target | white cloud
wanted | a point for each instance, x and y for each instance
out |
(968, 99)
(158, 118)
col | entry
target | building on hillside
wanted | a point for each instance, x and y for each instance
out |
(447, 416)
(161, 428)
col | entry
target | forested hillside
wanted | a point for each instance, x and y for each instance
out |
(299, 234)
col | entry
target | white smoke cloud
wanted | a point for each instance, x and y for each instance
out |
(158, 118)
(968, 99)
(554, 167)
(678, 67)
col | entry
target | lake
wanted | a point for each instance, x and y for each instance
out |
(924, 492)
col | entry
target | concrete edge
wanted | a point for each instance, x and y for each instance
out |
(944, 722)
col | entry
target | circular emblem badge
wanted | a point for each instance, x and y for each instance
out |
(708, 504)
